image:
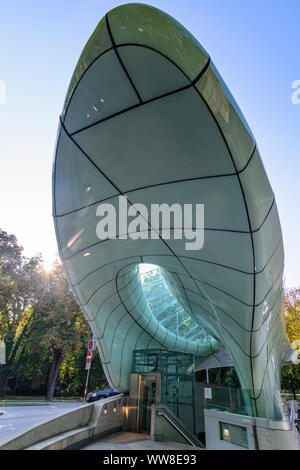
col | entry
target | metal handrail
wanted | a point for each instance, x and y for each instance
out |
(165, 414)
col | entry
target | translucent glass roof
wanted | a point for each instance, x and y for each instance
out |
(165, 306)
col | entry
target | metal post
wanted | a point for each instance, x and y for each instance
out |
(86, 384)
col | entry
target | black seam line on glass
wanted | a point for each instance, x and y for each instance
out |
(96, 290)
(184, 180)
(235, 269)
(203, 282)
(226, 293)
(137, 45)
(144, 46)
(85, 304)
(172, 228)
(162, 326)
(129, 108)
(89, 159)
(127, 198)
(217, 321)
(265, 218)
(222, 312)
(249, 159)
(200, 95)
(111, 295)
(141, 313)
(142, 103)
(108, 317)
(219, 325)
(99, 288)
(280, 334)
(110, 313)
(78, 82)
(178, 256)
(152, 337)
(241, 376)
(144, 329)
(181, 257)
(235, 298)
(57, 231)
(157, 185)
(228, 315)
(125, 315)
(120, 60)
(248, 217)
(141, 297)
(266, 341)
(107, 298)
(104, 266)
(184, 289)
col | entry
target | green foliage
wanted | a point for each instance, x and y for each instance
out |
(39, 317)
(292, 317)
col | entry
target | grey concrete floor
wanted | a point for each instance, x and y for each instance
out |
(132, 441)
(17, 418)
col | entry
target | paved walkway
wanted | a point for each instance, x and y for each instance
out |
(132, 441)
(16, 418)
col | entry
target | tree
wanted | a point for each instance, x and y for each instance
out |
(61, 326)
(291, 373)
(18, 296)
(292, 316)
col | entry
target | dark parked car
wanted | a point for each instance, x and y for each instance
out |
(100, 394)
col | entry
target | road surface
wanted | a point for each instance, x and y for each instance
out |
(16, 418)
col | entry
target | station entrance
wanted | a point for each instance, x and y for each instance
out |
(161, 377)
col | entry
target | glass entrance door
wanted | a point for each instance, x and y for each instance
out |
(147, 398)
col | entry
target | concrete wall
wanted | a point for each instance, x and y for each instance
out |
(71, 429)
(262, 434)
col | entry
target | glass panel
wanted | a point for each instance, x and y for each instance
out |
(108, 251)
(152, 73)
(267, 238)
(96, 45)
(232, 282)
(143, 24)
(177, 380)
(228, 115)
(171, 139)
(230, 246)
(267, 278)
(102, 91)
(222, 199)
(77, 182)
(258, 192)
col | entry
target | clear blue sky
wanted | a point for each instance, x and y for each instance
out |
(255, 45)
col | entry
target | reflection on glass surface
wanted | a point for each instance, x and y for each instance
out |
(166, 307)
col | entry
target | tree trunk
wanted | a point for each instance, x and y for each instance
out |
(16, 385)
(3, 383)
(54, 370)
(291, 380)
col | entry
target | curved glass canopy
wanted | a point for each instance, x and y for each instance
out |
(148, 118)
